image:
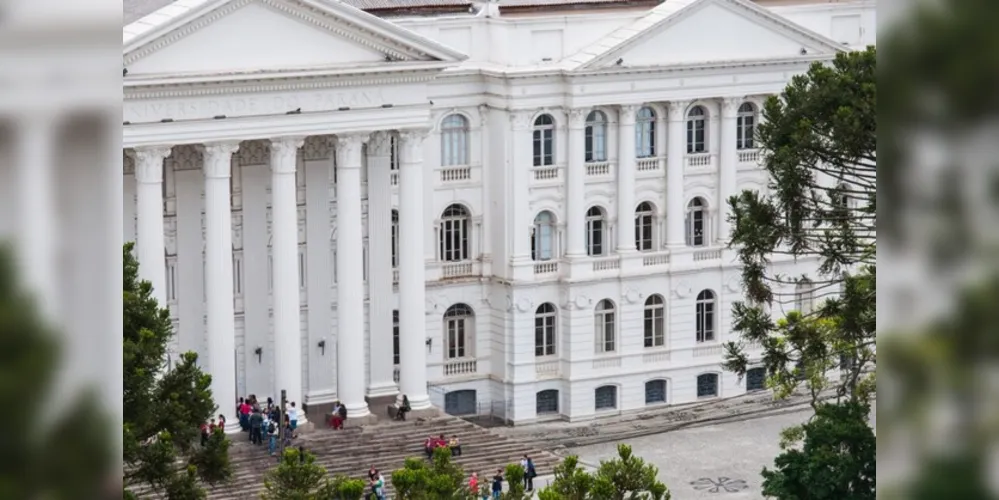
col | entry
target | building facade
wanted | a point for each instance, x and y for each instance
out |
(512, 208)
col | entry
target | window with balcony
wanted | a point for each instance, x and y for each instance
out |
(544, 330)
(596, 221)
(655, 321)
(645, 133)
(544, 141)
(604, 326)
(705, 316)
(454, 140)
(696, 127)
(596, 137)
(458, 327)
(645, 227)
(455, 228)
(543, 237)
(696, 222)
(745, 126)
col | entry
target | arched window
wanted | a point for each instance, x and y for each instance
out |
(454, 140)
(697, 222)
(756, 379)
(645, 227)
(605, 397)
(544, 141)
(596, 136)
(707, 385)
(745, 126)
(655, 323)
(655, 392)
(395, 337)
(544, 330)
(395, 239)
(696, 137)
(454, 233)
(645, 133)
(804, 296)
(595, 225)
(458, 321)
(543, 237)
(705, 316)
(546, 402)
(604, 326)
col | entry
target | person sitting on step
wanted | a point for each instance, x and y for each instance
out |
(402, 407)
(455, 446)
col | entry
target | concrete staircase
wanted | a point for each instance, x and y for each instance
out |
(385, 446)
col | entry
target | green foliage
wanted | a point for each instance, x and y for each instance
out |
(626, 476)
(442, 478)
(819, 148)
(838, 460)
(74, 441)
(163, 409)
(298, 477)
(514, 475)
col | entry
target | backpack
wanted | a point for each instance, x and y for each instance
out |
(271, 428)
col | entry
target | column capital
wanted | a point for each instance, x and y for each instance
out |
(411, 145)
(348, 150)
(730, 106)
(577, 117)
(626, 113)
(284, 152)
(149, 163)
(521, 119)
(380, 143)
(218, 159)
(677, 109)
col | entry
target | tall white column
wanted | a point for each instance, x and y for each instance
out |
(350, 277)
(149, 208)
(380, 265)
(218, 275)
(412, 281)
(726, 164)
(575, 219)
(675, 162)
(284, 253)
(37, 219)
(626, 179)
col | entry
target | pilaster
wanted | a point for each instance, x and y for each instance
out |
(626, 179)
(675, 162)
(519, 223)
(576, 188)
(727, 164)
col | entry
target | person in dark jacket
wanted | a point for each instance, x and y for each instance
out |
(256, 427)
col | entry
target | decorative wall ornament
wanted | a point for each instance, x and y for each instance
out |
(237, 230)
(734, 283)
(519, 120)
(348, 150)
(411, 145)
(730, 105)
(284, 154)
(509, 303)
(253, 153)
(682, 289)
(524, 304)
(626, 113)
(170, 235)
(583, 302)
(483, 115)
(577, 117)
(318, 147)
(149, 163)
(677, 109)
(632, 296)
(186, 157)
(380, 143)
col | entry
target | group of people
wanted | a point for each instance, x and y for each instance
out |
(209, 428)
(262, 421)
(497, 481)
(432, 443)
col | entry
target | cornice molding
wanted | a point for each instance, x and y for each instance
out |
(324, 20)
(258, 86)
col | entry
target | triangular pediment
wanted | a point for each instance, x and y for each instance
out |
(246, 36)
(681, 32)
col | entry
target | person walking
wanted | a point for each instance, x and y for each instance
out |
(529, 474)
(498, 483)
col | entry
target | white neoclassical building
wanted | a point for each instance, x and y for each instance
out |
(512, 207)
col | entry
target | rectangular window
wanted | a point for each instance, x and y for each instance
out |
(605, 332)
(395, 337)
(654, 327)
(456, 338)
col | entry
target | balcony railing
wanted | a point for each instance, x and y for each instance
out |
(546, 173)
(456, 174)
(606, 264)
(702, 255)
(655, 259)
(451, 270)
(707, 350)
(547, 267)
(748, 155)
(698, 159)
(546, 368)
(647, 164)
(597, 168)
(460, 367)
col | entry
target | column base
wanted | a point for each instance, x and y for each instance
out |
(419, 402)
(357, 410)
